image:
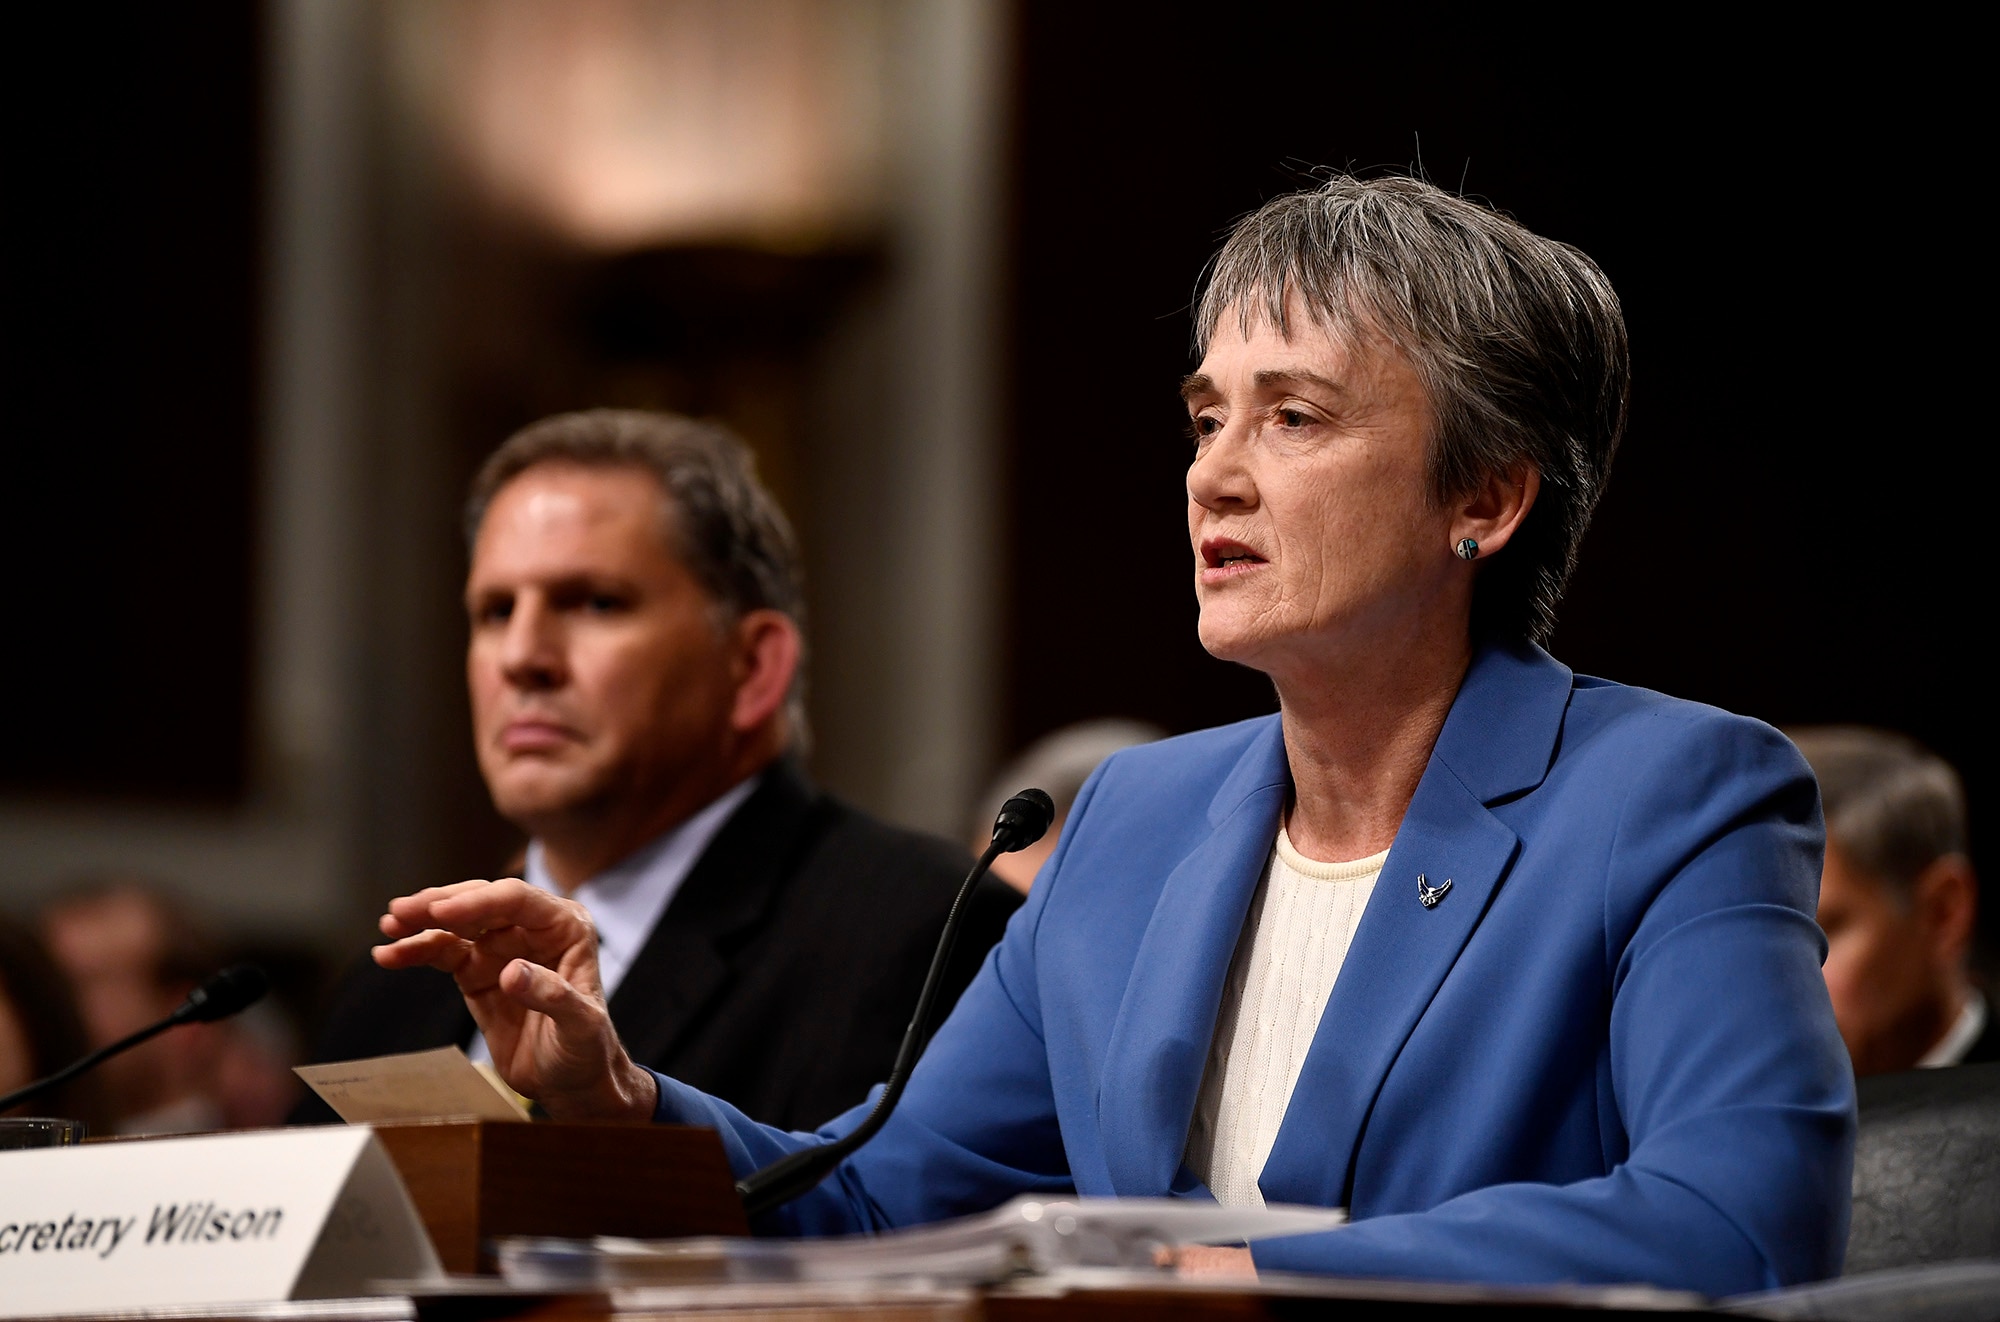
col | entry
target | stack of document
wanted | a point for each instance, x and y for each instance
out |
(1027, 1237)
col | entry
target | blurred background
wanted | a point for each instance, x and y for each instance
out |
(280, 274)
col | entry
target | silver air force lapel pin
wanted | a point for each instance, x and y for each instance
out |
(1429, 895)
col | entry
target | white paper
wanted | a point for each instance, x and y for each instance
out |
(1025, 1235)
(224, 1219)
(417, 1085)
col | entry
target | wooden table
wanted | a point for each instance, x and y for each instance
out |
(1102, 1295)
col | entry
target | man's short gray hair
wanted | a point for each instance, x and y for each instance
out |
(1519, 342)
(727, 529)
(1894, 806)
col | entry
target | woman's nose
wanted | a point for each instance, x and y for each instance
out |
(1218, 478)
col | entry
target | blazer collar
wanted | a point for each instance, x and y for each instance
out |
(1262, 766)
(731, 887)
(1498, 740)
(1500, 737)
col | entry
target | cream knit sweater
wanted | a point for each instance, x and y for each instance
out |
(1294, 941)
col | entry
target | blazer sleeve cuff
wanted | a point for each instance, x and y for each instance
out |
(682, 1105)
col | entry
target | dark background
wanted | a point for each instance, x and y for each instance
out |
(131, 229)
(1790, 527)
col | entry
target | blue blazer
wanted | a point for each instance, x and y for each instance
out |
(1606, 1054)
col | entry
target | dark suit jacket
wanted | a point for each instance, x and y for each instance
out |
(781, 976)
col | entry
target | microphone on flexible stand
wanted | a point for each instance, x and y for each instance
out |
(1023, 820)
(227, 993)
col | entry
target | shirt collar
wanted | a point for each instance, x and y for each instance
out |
(626, 900)
(1958, 1039)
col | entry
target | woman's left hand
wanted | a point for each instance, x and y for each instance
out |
(1203, 1262)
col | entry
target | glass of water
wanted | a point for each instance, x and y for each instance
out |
(39, 1132)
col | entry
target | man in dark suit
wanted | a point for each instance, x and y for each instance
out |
(634, 666)
(1899, 902)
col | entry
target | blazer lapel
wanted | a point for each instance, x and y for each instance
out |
(1401, 953)
(1498, 741)
(1159, 1042)
(682, 965)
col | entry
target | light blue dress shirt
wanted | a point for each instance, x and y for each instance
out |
(627, 899)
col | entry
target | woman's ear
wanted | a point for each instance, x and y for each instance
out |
(1489, 515)
(768, 646)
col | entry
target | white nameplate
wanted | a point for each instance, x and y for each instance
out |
(225, 1219)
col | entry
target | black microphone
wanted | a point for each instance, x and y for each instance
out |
(227, 993)
(1023, 820)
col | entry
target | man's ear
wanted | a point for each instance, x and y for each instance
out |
(768, 646)
(1494, 509)
(1946, 898)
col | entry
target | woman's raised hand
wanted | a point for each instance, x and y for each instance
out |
(526, 963)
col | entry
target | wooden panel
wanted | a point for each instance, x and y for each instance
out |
(439, 1165)
(474, 1182)
(645, 1181)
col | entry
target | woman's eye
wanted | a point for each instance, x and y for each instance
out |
(603, 604)
(1294, 418)
(1202, 425)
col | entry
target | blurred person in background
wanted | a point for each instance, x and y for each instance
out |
(636, 673)
(1059, 762)
(1899, 902)
(41, 1031)
(133, 953)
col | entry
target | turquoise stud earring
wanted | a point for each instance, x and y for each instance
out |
(1467, 549)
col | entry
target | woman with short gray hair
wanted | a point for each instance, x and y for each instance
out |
(1518, 966)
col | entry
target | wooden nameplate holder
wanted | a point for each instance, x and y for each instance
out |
(473, 1181)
